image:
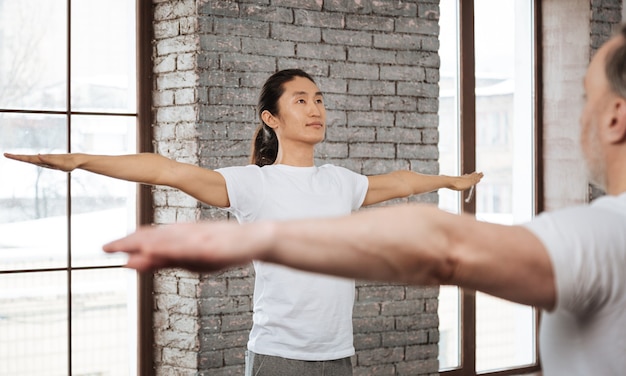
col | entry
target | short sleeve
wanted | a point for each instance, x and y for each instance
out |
(586, 247)
(245, 187)
(357, 184)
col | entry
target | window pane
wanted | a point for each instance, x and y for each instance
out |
(103, 56)
(103, 336)
(103, 208)
(33, 61)
(504, 152)
(33, 324)
(449, 309)
(33, 222)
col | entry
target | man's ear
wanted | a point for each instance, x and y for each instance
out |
(269, 119)
(616, 132)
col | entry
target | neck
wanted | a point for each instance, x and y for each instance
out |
(616, 173)
(301, 155)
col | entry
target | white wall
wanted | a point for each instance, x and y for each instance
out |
(566, 51)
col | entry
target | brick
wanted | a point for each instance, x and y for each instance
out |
(221, 43)
(380, 355)
(416, 120)
(211, 359)
(398, 41)
(398, 135)
(234, 356)
(237, 322)
(176, 113)
(380, 293)
(394, 8)
(183, 323)
(366, 309)
(417, 26)
(367, 341)
(266, 13)
(259, 46)
(368, 22)
(310, 4)
(317, 51)
(219, 8)
(180, 358)
(418, 151)
(232, 96)
(312, 18)
(419, 367)
(185, 96)
(220, 341)
(173, 339)
(347, 37)
(426, 59)
(243, 63)
(231, 304)
(347, 102)
(371, 55)
(402, 73)
(404, 338)
(369, 119)
(377, 150)
(394, 103)
(179, 44)
(240, 286)
(418, 89)
(242, 27)
(402, 308)
(332, 150)
(176, 80)
(348, 6)
(166, 29)
(425, 321)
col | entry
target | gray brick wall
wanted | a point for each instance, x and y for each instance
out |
(377, 64)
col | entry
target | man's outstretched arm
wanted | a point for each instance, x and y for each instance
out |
(415, 244)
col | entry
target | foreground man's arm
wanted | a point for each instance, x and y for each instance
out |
(415, 244)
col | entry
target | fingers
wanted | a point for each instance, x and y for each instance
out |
(40, 160)
(129, 244)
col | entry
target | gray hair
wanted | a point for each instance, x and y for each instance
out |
(615, 68)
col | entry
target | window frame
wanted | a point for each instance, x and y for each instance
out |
(467, 163)
(144, 211)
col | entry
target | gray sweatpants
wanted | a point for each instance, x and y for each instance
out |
(265, 365)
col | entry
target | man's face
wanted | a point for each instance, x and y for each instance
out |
(301, 112)
(595, 114)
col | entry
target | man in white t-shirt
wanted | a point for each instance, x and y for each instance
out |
(570, 263)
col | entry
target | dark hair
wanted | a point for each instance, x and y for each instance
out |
(616, 66)
(265, 142)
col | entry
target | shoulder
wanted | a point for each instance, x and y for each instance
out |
(587, 248)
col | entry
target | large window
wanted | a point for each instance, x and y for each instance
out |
(68, 83)
(487, 123)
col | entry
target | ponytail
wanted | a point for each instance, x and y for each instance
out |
(264, 146)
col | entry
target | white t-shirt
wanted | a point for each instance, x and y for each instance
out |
(297, 315)
(586, 332)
